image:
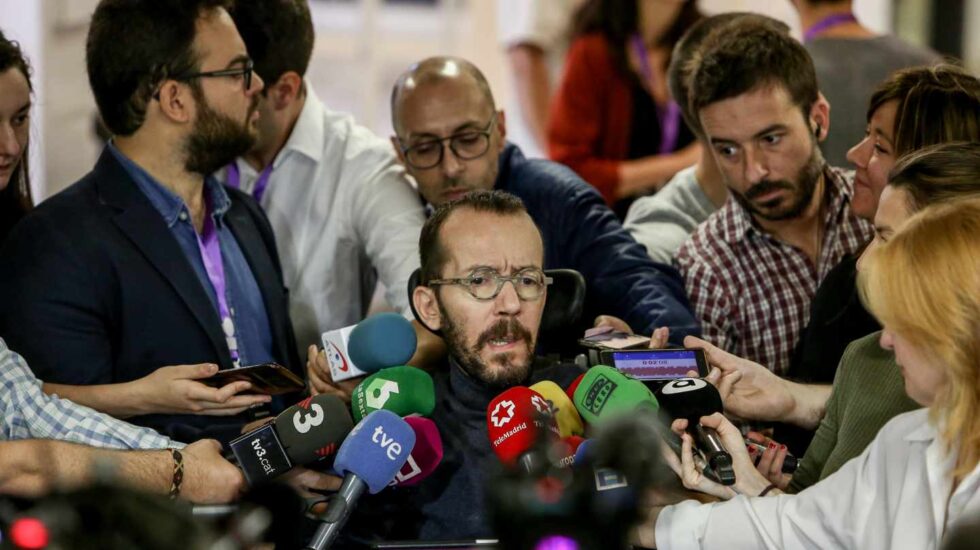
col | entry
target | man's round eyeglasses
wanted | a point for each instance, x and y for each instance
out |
(466, 145)
(485, 284)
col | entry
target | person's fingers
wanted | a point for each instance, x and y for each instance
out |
(311, 354)
(316, 382)
(659, 338)
(230, 390)
(776, 468)
(193, 372)
(765, 462)
(713, 377)
(615, 323)
(726, 384)
(223, 411)
(731, 437)
(758, 437)
(238, 402)
(689, 472)
(678, 426)
(671, 458)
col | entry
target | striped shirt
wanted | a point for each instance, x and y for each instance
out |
(26, 412)
(751, 291)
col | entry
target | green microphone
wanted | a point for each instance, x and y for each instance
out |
(606, 393)
(401, 390)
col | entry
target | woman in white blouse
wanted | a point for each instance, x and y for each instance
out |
(920, 475)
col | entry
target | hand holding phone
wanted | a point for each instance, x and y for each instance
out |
(657, 364)
(267, 379)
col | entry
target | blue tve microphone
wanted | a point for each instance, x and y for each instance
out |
(369, 458)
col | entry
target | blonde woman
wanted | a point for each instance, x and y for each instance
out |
(920, 475)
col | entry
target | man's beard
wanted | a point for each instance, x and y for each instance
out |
(217, 139)
(506, 372)
(806, 184)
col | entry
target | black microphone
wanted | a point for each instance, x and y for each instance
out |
(692, 398)
(303, 433)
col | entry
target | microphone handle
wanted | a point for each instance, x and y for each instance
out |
(709, 442)
(338, 512)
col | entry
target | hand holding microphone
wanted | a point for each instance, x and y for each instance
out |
(380, 341)
(696, 407)
(303, 433)
(369, 459)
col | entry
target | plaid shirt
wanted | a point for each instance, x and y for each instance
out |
(753, 292)
(26, 412)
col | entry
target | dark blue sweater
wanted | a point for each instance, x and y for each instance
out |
(580, 232)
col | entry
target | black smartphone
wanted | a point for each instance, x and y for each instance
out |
(267, 378)
(656, 364)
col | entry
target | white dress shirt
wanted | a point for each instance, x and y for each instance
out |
(344, 213)
(895, 495)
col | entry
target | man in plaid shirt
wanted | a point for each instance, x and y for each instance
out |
(751, 270)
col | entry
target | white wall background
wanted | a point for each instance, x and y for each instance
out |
(361, 47)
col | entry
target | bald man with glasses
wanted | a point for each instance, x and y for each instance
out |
(452, 140)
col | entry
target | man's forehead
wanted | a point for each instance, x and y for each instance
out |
(748, 113)
(443, 106)
(473, 238)
(217, 41)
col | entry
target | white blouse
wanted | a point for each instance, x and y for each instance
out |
(894, 495)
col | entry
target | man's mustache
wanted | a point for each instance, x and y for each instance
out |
(502, 329)
(765, 186)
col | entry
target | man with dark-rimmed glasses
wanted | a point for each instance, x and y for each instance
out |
(451, 138)
(147, 261)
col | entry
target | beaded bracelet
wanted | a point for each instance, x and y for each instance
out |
(178, 473)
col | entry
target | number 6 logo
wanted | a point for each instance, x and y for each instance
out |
(304, 420)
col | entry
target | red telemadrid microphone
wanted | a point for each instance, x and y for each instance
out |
(515, 421)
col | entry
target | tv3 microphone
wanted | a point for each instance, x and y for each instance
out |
(301, 434)
(401, 390)
(692, 398)
(369, 459)
(380, 341)
(516, 420)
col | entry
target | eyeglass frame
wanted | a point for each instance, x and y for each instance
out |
(245, 72)
(500, 279)
(442, 149)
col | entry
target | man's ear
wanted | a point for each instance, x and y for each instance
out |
(502, 128)
(175, 101)
(424, 300)
(286, 90)
(397, 146)
(820, 117)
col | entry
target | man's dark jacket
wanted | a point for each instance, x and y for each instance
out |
(580, 232)
(96, 290)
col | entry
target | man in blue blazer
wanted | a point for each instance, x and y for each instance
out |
(133, 285)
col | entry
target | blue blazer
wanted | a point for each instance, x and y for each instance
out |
(96, 290)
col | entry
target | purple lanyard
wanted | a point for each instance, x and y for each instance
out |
(826, 23)
(669, 115)
(235, 180)
(210, 247)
